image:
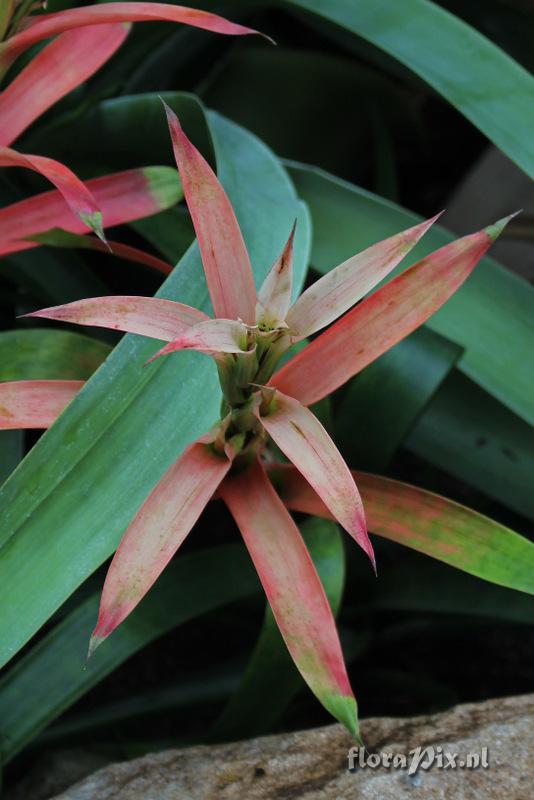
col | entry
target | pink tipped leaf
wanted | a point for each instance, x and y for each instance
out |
(342, 287)
(383, 319)
(145, 316)
(301, 437)
(428, 523)
(46, 25)
(156, 533)
(293, 589)
(59, 68)
(224, 254)
(122, 197)
(274, 297)
(34, 404)
(212, 336)
(76, 195)
(60, 238)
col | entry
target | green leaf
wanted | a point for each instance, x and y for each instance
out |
(467, 433)
(313, 133)
(491, 316)
(474, 75)
(54, 673)
(381, 404)
(11, 452)
(46, 354)
(208, 686)
(89, 473)
(433, 588)
(271, 679)
(171, 232)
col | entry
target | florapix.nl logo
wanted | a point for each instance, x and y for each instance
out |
(420, 758)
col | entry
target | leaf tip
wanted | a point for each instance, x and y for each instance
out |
(94, 642)
(344, 708)
(495, 230)
(94, 221)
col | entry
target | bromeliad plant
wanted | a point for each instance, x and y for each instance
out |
(262, 404)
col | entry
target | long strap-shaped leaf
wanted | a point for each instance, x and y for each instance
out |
(48, 354)
(145, 316)
(300, 435)
(122, 197)
(77, 196)
(156, 533)
(224, 254)
(270, 680)
(487, 86)
(60, 238)
(338, 290)
(383, 319)
(51, 675)
(64, 64)
(39, 28)
(426, 522)
(293, 588)
(34, 404)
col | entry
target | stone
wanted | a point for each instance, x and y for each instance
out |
(313, 764)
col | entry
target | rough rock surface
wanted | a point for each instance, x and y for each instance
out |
(313, 765)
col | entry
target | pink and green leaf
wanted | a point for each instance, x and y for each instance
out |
(59, 68)
(301, 437)
(274, 297)
(156, 533)
(145, 316)
(122, 197)
(338, 290)
(34, 404)
(293, 589)
(426, 522)
(46, 25)
(60, 238)
(211, 336)
(76, 195)
(383, 319)
(224, 254)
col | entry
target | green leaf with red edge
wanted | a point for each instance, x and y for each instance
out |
(115, 413)
(122, 197)
(58, 69)
(429, 523)
(383, 319)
